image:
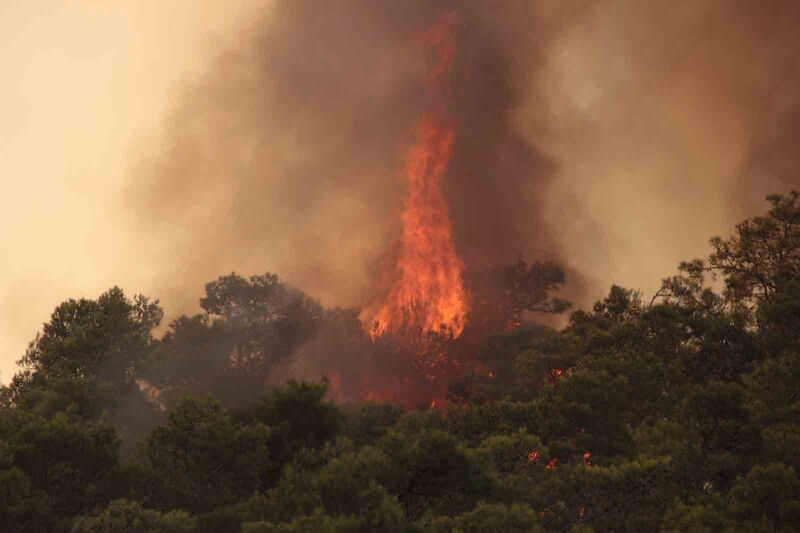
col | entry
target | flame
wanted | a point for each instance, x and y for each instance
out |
(554, 374)
(428, 292)
(374, 396)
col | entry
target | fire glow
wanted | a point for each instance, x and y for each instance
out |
(428, 292)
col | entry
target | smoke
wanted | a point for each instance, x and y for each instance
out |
(670, 122)
(288, 154)
(614, 137)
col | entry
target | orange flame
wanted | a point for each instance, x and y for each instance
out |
(554, 374)
(428, 292)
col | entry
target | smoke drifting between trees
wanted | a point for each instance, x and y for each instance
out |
(261, 330)
(289, 149)
(678, 413)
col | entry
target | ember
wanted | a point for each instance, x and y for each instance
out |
(586, 459)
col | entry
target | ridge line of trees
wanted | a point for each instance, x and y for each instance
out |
(678, 413)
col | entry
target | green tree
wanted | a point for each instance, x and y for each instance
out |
(300, 417)
(724, 440)
(764, 500)
(268, 318)
(201, 458)
(248, 327)
(88, 355)
(53, 468)
(757, 260)
(488, 518)
(315, 523)
(372, 421)
(768, 498)
(430, 472)
(131, 517)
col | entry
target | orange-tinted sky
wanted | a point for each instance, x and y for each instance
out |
(135, 152)
(82, 82)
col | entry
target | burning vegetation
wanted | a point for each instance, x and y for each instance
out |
(428, 294)
(676, 415)
(446, 405)
(417, 329)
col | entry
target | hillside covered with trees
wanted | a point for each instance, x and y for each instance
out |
(679, 412)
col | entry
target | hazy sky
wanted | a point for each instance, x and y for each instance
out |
(649, 126)
(82, 83)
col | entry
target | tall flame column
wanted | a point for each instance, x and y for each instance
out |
(428, 292)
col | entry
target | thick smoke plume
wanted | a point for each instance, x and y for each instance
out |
(669, 122)
(613, 137)
(288, 155)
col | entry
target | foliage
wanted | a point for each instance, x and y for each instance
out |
(248, 328)
(487, 518)
(201, 458)
(678, 413)
(131, 517)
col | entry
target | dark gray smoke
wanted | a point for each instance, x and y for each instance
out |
(614, 137)
(287, 156)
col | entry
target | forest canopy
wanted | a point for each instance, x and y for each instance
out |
(676, 412)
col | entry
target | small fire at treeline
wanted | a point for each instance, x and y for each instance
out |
(428, 294)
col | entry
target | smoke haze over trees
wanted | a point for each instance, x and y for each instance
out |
(594, 143)
(294, 139)
(281, 148)
(679, 413)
